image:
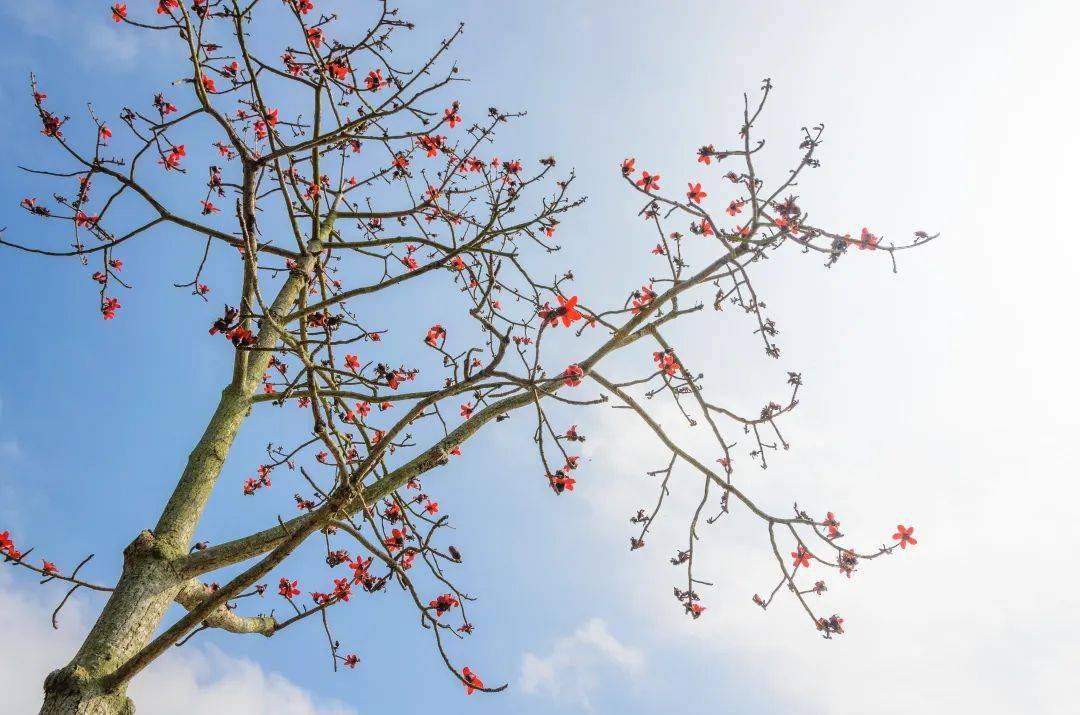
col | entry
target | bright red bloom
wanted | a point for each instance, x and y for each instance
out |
(434, 334)
(567, 312)
(452, 117)
(104, 133)
(467, 410)
(396, 540)
(351, 660)
(209, 208)
(904, 536)
(432, 507)
(735, 207)
(287, 588)
(374, 80)
(695, 193)
(802, 557)
(342, 589)
(208, 84)
(339, 70)
(868, 241)
(560, 482)
(443, 603)
(352, 362)
(472, 681)
(648, 182)
(109, 306)
(172, 160)
(832, 523)
(572, 376)
(119, 12)
(49, 567)
(5, 541)
(646, 296)
(666, 362)
(164, 5)
(627, 167)
(410, 263)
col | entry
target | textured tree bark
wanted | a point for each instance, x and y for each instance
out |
(142, 596)
(153, 563)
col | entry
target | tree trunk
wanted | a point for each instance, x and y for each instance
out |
(126, 624)
(151, 578)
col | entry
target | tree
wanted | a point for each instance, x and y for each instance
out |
(345, 179)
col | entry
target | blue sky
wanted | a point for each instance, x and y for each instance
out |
(939, 396)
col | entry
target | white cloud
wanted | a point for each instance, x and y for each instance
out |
(106, 41)
(570, 670)
(201, 679)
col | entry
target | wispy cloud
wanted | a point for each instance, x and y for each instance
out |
(203, 679)
(569, 672)
(54, 21)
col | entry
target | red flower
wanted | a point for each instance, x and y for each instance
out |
(304, 6)
(342, 589)
(868, 241)
(467, 410)
(443, 603)
(374, 80)
(208, 84)
(396, 540)
(109, 306)
(315, 36)
(735, 207)
(119, 12)
(648, 182)
(802, 557)
(352, 362)
(695, 193)
(567, 312)
(104, 132)
(695, 609)
(164, 5)
(287, 588)
(430, 144)
(172, 161)
(705, 154)
(904, 536)
(209, 208)
(339, 70)
(49, 567)
(627, 167)
(5, 541)
(666, 362)
(452, 117)
(832, 523)
(432, 507)
(572, 376)
(410, 263)
(561, 483)
(351, 660)
(646, 296)
(83, 220)
(472, 681)
(434, 334)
